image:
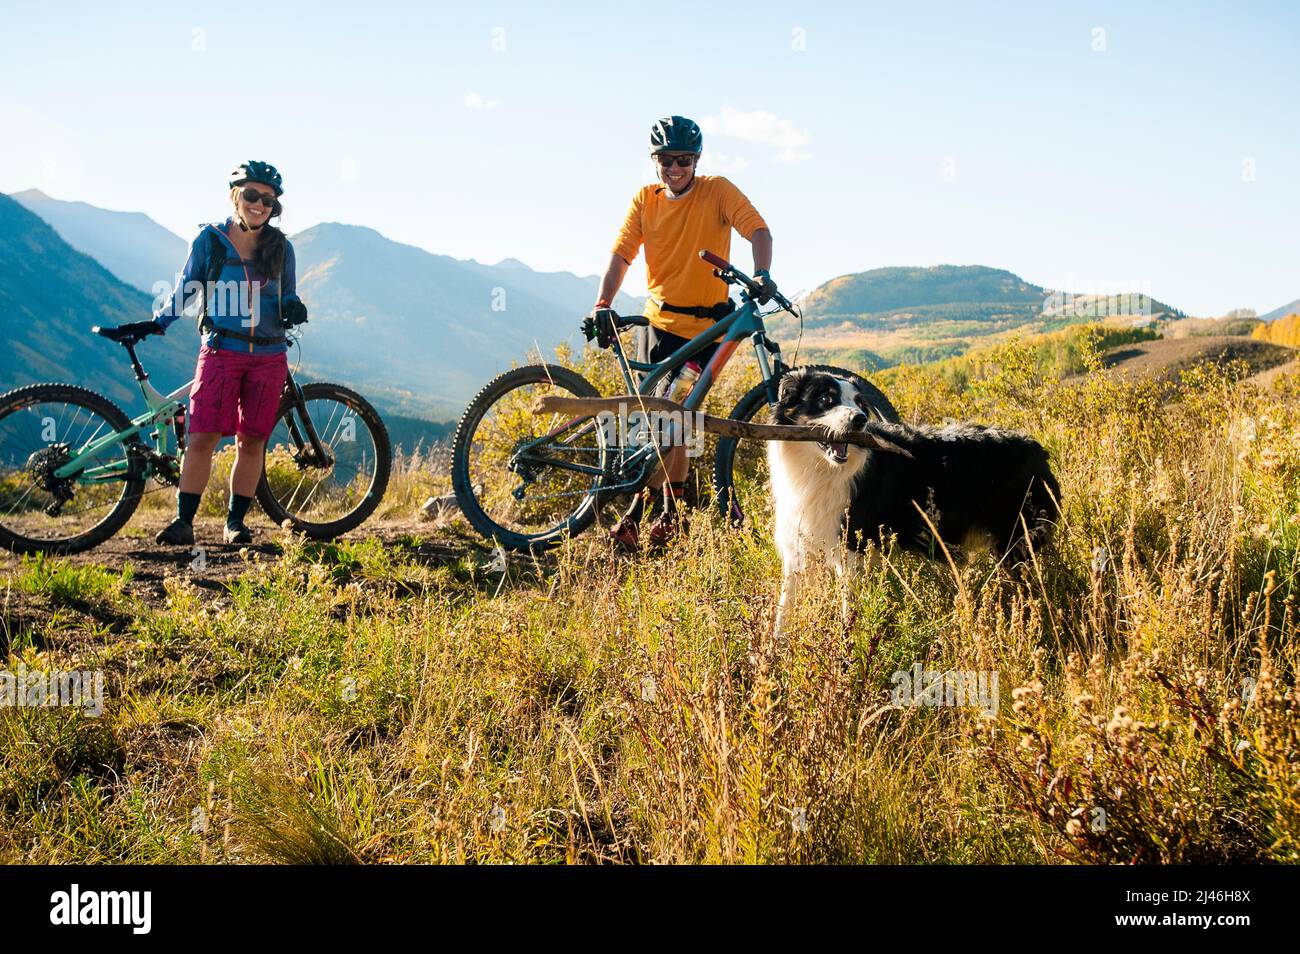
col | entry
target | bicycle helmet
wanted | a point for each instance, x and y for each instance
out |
(262, 172)
(676, 134)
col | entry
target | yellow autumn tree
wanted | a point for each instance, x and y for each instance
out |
(1283, 331)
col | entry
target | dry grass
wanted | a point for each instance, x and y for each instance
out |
(346, 703)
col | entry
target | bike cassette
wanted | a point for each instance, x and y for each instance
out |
(42, 465)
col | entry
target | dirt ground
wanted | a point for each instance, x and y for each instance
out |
(209, 564)
(1168, 356)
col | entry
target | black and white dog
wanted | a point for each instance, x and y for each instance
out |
(967, 479)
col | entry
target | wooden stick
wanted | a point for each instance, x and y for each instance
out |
(744, 430)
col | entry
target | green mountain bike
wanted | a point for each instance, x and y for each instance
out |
(73, 466)
(527, 480)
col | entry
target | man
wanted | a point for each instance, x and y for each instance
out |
(674, 219)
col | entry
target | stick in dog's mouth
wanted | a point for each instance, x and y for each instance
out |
(838, 452)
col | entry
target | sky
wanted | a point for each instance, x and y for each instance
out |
(1086, 146)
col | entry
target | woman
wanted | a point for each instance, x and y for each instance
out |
(243, 273)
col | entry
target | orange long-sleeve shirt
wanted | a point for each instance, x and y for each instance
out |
(673, 231)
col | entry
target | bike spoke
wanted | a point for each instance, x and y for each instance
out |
(322, 494)
(527, 493)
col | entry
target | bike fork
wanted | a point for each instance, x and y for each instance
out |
(313, 439)
(772, 370)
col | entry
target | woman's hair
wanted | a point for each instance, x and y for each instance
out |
(268, 255)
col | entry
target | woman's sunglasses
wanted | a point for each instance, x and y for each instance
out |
(682, 161)
(252, 197)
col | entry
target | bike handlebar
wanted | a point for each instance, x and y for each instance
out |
(716, 261)
(733, 276)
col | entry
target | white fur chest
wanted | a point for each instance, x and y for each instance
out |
(810, 496)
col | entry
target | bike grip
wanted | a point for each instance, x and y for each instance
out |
(714, 260)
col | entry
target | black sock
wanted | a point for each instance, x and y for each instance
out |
(238, 507)
(187, 505)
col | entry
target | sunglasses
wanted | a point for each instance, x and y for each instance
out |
(252, 197)
(682, 161)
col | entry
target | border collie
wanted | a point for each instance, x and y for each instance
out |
(967, 479)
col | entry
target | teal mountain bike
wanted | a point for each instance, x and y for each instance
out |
(73, 466)
(527, 480)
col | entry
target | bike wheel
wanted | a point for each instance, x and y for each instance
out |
(511, 493)
(43, 426)
(325, 496)
(741, 480)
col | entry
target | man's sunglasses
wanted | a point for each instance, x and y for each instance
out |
(252, 197)
(682, 161)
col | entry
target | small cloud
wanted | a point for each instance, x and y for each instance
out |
(722, 164)
(474, 101)
(762, 127)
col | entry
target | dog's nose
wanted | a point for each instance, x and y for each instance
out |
(858, 420)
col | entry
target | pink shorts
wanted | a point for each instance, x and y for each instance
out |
(236, 393)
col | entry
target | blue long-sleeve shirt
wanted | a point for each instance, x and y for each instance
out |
(240, 300)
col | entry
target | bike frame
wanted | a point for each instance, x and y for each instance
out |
(163, 410)
(746, 322)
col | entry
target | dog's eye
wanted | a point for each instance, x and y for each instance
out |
(828, 399)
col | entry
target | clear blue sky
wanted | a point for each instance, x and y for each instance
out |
(1162, 153)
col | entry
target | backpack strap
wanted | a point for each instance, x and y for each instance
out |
(216, 263)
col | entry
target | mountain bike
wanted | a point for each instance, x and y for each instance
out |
(73, 466)
(527, 480)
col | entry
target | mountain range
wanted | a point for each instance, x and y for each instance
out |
(426, 331)
(887, 316)
(130, 245)
(1291, 309)
(50, 296)
(418, 333)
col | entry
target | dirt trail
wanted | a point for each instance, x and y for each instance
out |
(209, 564)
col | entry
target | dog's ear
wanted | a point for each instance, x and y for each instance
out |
(787, 386)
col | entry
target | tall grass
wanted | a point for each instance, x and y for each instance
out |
(350, 702)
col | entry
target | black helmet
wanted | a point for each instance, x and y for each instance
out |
(676, 134)
(262, 172)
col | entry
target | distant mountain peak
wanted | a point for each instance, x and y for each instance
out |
(342, 228)
(132, 246)
(511, 263)
(1282, 312)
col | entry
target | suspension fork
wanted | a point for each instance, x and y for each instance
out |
(296, 399)
(772, 369)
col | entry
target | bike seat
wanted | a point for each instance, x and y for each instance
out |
(117, 334)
